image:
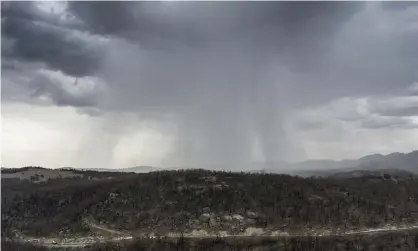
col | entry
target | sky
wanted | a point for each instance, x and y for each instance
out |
(120, 84)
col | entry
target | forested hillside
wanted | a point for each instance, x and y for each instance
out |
(183, 201)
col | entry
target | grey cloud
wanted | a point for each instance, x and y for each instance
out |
(15, 79)
(91, 111)
(406, 111)
(373, 112)
(385, 122)
(310, 125)
(8, 66)
(399, 107)
(399, 5)
(61, 95)
(413, 90)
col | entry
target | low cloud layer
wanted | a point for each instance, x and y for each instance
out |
(221, 80)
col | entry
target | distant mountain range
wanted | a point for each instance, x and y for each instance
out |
(407, 162)
(377, 163)
(135, 169)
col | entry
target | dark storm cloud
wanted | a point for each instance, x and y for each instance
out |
(31, 38)
(28, 11)
(216, 68)
(302, 32)
(149, 24)
(276, 25)
(228, 72)
(112, 18)
(298, 32)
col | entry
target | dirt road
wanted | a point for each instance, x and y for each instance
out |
(88, 241)
(93, 225)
